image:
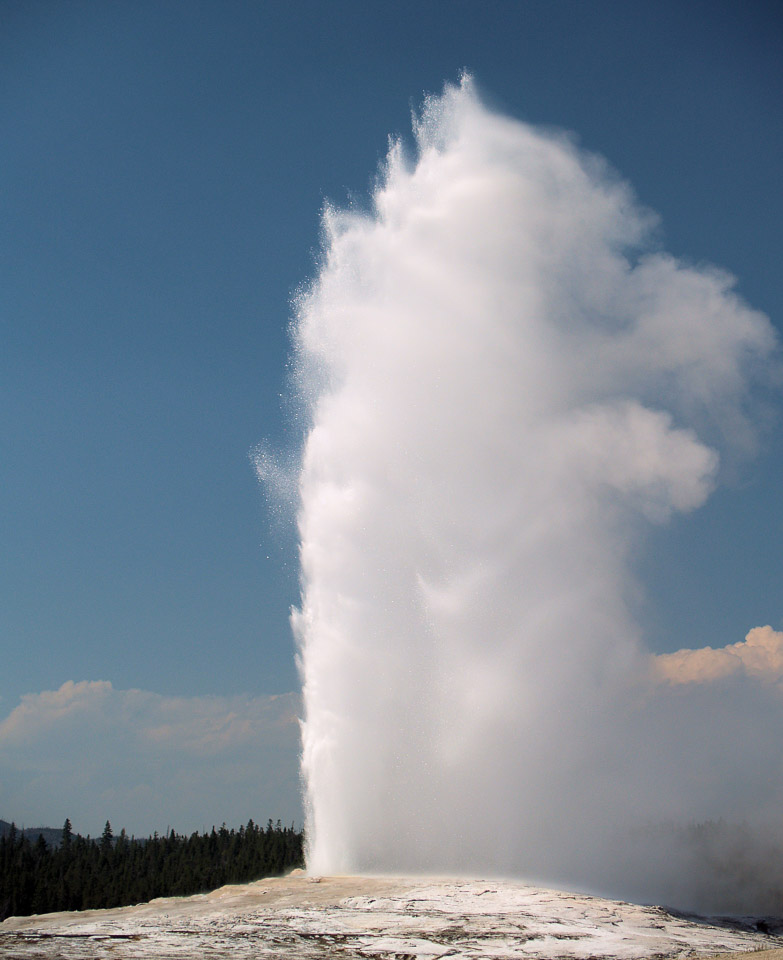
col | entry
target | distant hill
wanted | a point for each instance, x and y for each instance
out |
(52, 835)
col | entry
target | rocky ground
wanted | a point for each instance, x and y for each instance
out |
(380, 918)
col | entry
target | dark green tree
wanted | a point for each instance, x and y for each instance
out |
(83, 874)
(107, 838)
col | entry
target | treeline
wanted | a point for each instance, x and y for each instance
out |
(83, 874)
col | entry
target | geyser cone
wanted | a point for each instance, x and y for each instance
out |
(502, 393)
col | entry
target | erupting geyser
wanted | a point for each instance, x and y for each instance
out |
(504, 387)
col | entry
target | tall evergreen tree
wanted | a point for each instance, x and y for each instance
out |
(107, 838)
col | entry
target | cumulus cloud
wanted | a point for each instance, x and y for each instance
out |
(145, 761)
(39, 713)
(759, 655)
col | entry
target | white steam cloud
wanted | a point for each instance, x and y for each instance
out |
(504, 387)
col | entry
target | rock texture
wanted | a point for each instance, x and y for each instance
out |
(375, 917)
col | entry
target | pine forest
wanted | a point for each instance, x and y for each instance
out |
(80, 873)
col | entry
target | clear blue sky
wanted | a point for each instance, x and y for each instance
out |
(164, 165)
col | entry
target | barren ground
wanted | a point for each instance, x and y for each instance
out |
(380, 918)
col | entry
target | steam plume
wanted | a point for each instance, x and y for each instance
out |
(504, 387)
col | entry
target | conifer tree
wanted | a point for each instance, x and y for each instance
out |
(107, 838)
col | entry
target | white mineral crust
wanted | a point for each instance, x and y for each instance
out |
(375, 917)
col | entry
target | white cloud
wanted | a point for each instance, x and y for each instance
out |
(146, 761)
(40, 712)
(759, 655)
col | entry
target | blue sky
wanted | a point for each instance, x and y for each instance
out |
(164, 169)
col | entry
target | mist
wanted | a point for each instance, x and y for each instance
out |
(506, 381)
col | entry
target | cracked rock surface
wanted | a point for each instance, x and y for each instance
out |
(379, 918)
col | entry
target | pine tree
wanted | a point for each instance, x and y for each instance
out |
(107, 838)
